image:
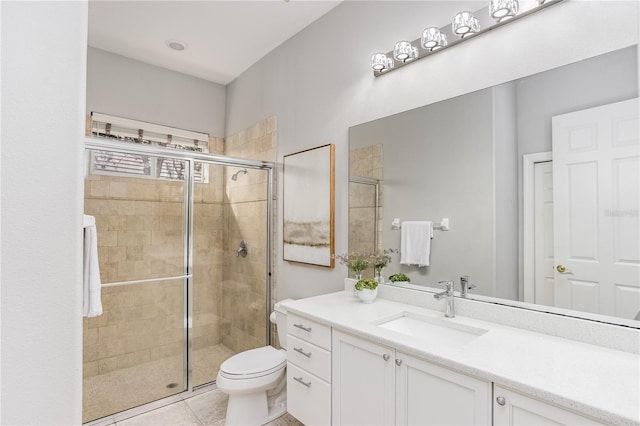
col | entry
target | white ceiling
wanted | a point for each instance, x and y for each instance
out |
(223, 38)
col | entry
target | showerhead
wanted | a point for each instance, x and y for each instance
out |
(235, 175)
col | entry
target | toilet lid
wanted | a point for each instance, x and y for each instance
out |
(254, 362)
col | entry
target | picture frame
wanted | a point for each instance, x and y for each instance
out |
(309, 206)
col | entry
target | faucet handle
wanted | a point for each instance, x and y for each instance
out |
(447, 284)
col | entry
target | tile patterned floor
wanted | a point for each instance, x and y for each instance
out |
(206, 409)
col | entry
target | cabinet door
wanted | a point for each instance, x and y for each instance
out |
(427, 394)
(362, 382)
(511, 408)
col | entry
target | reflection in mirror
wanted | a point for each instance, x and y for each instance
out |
(480, 159)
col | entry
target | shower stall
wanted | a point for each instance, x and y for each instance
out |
(185, 261)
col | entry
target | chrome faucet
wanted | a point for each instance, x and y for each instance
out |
(448, 293)
(465, 286)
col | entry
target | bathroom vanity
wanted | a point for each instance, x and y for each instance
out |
(400, 362)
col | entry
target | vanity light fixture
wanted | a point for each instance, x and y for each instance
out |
(433, 38)
(465, 25)
(502, 10)
(405, 51)
(381, 62)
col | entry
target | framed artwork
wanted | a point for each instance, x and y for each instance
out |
(308, 212)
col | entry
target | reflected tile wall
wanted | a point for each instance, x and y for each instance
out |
(365, 162)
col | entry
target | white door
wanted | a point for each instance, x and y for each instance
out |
(362, 382)
(514, 409)
(543, 234)
(596, 204)
(427, 394)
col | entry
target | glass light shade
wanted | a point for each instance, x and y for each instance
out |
(404, 51)
(380, 62)
(433, 38)
(465, 24)
(503, 9)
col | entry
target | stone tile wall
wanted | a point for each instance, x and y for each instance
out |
(243, 297)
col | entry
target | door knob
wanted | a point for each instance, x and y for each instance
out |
(561, 268)
(500, 400)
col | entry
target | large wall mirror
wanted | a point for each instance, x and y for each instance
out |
(539, 178)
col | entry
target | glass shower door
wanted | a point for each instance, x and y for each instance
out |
(230, 288)
(135, 352)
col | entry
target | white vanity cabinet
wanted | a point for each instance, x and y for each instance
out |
(374, 384)
(512, 408)
(308, 370)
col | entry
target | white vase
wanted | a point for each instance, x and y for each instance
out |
(366, 295)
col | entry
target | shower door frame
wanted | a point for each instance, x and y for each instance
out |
(93, 143)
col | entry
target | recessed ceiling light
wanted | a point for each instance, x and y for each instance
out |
(176, 44)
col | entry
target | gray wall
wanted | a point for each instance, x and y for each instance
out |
(319, 83)
(132, 89)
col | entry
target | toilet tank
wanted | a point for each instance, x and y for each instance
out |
(281, 322)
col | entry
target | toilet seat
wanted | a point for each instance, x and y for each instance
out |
(254, 363)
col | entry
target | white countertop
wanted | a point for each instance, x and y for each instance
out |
(595, 381)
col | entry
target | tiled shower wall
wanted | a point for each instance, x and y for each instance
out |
(243, 292)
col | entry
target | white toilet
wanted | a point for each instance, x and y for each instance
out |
(255, 380)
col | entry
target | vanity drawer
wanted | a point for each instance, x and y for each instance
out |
(309, 357)
(310, 331)
(308, 397)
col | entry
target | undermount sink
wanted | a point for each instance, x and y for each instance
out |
(435, 330)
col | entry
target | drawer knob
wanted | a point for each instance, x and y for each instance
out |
(302, 327)
(300, 351)
(500, 400)
(386, 357)
(299, 380)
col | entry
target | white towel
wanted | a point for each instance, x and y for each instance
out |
(92, 301)
(415, 244)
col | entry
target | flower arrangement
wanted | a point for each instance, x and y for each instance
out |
(356, 262)
(380, 260)
(400, 277)
(366, 283)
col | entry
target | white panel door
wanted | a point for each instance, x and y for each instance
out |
(514, 409)
(362, 382)
(427, 394)
(543, 234)
(596, 204)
